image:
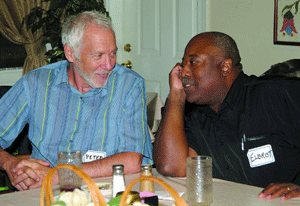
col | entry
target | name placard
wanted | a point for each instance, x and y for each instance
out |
(260, 156)
(92, 155)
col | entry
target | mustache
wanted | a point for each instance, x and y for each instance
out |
(104, 73)
(186, 81)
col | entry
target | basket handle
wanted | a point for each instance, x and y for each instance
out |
(47, 186)
(178, 199)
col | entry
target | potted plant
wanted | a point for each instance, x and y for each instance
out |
(50, 22)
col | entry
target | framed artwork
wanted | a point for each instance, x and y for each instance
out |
(287, 22)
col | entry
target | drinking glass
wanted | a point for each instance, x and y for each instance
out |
(69, 180)
(199, 181)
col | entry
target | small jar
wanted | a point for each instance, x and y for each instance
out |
(118, 179)
(146, 185)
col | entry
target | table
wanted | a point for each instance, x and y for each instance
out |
(225, 193)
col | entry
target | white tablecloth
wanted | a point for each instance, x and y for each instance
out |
(225, 193)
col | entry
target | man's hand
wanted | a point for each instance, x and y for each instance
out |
(283, 190)
(29, 173)
(170, 148)
(177, 93)
(175, 78)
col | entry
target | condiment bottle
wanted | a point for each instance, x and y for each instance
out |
(146, 185)
(118, 179)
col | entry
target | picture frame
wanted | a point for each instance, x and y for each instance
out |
(287, 22)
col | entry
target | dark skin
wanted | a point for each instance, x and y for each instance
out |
(204, 77)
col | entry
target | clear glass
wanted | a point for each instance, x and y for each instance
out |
(68, 180)
(199, 182)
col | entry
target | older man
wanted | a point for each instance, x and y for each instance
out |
(249, 126)
(88, 103)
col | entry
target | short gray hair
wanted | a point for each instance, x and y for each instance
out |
(74, 26)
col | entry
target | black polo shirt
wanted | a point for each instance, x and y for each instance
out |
(255, 136)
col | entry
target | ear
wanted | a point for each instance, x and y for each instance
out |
(69, 53)
(226, 67)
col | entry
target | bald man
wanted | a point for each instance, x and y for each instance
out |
(248, 125)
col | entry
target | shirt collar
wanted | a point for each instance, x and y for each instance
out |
(62, 75)
(234, 92)
(230, 99)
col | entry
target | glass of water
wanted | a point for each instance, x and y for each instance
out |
(199, 181)
(69, 180)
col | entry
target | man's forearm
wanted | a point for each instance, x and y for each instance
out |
(5, 158)
(102, 168)
(170, 146)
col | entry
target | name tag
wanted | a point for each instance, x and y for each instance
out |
(93, 155)
(260, 156)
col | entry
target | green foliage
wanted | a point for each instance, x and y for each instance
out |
(289, 7)
(59, 203)
(50, 22)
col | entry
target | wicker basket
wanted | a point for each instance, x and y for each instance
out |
(47, 193)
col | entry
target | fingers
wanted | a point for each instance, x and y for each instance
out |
(26, 184)
(35, 185)
(283, 190)
(292, 193)
(21, 187)
(42, 162)
(269, 190)
(24, 175)
(29, 173)
(175, 78)
(177, 69)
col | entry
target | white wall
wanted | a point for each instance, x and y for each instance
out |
(250, 24)
(10, 77)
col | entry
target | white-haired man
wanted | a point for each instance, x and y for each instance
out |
(88, 103)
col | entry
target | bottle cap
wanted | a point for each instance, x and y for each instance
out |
(146, 167)
(118, 168)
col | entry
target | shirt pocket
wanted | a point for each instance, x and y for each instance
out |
(251, 142)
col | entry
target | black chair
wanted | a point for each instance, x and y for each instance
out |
(289, 68)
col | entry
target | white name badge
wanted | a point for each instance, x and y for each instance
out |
(260, 156)
(92, 155)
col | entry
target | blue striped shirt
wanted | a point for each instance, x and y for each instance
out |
(112, 119)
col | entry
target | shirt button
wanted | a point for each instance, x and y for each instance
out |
(228, 167)
(71, 141)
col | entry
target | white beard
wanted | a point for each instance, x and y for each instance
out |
(89, 79)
